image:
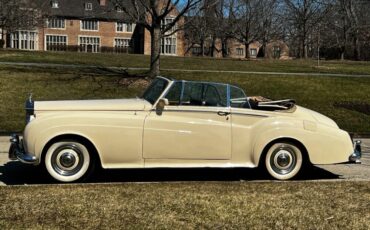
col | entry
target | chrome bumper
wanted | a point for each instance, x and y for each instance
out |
(356, 155)
(17, 152)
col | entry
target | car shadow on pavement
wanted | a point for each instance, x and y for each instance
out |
(16, 173)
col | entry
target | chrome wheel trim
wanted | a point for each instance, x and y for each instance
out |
(67, 160)
(64, 171)
(283, 160)
(279, 167)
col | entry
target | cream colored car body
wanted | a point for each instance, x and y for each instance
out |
(130, 133)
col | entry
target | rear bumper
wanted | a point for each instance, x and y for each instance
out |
(355, 157)
(17, 152)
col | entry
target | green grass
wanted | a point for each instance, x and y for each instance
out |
(197, 63)
(199, 205)
(317, 93)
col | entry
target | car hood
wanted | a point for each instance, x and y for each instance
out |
(93, 105)
(307, 114)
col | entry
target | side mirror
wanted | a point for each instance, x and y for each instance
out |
(161, 104)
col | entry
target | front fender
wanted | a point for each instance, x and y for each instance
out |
(117, 136)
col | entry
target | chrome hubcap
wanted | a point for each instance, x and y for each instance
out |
(67, 160)
(283, 160)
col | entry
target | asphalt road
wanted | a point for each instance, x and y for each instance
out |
(16, 173)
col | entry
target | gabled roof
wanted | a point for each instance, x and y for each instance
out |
(76, 9)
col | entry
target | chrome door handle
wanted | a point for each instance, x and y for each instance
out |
(222, 113)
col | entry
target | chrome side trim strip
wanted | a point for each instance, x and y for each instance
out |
(222, 109)
(249, 114)
(196, 111)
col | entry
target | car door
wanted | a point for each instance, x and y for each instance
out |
(195, 125)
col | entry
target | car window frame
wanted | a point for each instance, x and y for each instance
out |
(245, 95)
(228, 102)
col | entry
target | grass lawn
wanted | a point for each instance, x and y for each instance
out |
(201, 205)
(346, 100)
(195, 63)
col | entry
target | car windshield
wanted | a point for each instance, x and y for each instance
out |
(155, 90)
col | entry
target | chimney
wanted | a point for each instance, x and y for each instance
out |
(103, 2)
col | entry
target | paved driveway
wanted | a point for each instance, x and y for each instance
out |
(15, 173)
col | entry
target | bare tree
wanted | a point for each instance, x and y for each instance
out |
(347, 29)
(302, 17)
(270, 25)
(246, 22)
(17, 14)
(223, 24)
(151, 14)
(198, 28)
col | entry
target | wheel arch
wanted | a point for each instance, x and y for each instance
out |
(299, 144)
(76, 137)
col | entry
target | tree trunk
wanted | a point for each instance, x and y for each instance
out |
(202, 47)
(224, 48)
(213, 46)
(247, 50)
(342, 51)
(356, 48)
(155, 51)
(2, 41)
(304, 47)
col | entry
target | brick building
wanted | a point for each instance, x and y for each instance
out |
(89, 26)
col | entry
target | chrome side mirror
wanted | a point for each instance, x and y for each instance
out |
(161, 104)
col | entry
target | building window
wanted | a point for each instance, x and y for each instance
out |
(167, 21)
(124, 27)
(253, 52)
(24, 40)
(56, 42)
(196, 50)
(121, 42)
(54, 4)
(88, 6)
(56, 23)
(276, 52)
(168, 45)
(122, 45)
(119, 9)
(239, 51)
(89, 25)
(89, 44)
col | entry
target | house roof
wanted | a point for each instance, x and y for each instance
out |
(76, 9)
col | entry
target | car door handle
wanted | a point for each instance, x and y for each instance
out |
(222, 113)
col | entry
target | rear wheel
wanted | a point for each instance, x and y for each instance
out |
(283, 161)
(68, 161)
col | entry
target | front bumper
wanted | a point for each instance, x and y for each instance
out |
(356, 155)
(17, 152)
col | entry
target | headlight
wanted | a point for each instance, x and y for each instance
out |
(30, 109)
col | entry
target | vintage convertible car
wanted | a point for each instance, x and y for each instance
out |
(179, 124)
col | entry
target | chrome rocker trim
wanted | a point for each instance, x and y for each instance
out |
(356, 155)
(16, 151)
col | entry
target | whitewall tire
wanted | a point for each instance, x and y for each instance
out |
(67, 161)
(283, 161)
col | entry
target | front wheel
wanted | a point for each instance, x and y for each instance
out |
(283, 161)
(68, 161)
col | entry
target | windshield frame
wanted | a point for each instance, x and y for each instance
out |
(169, 84)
